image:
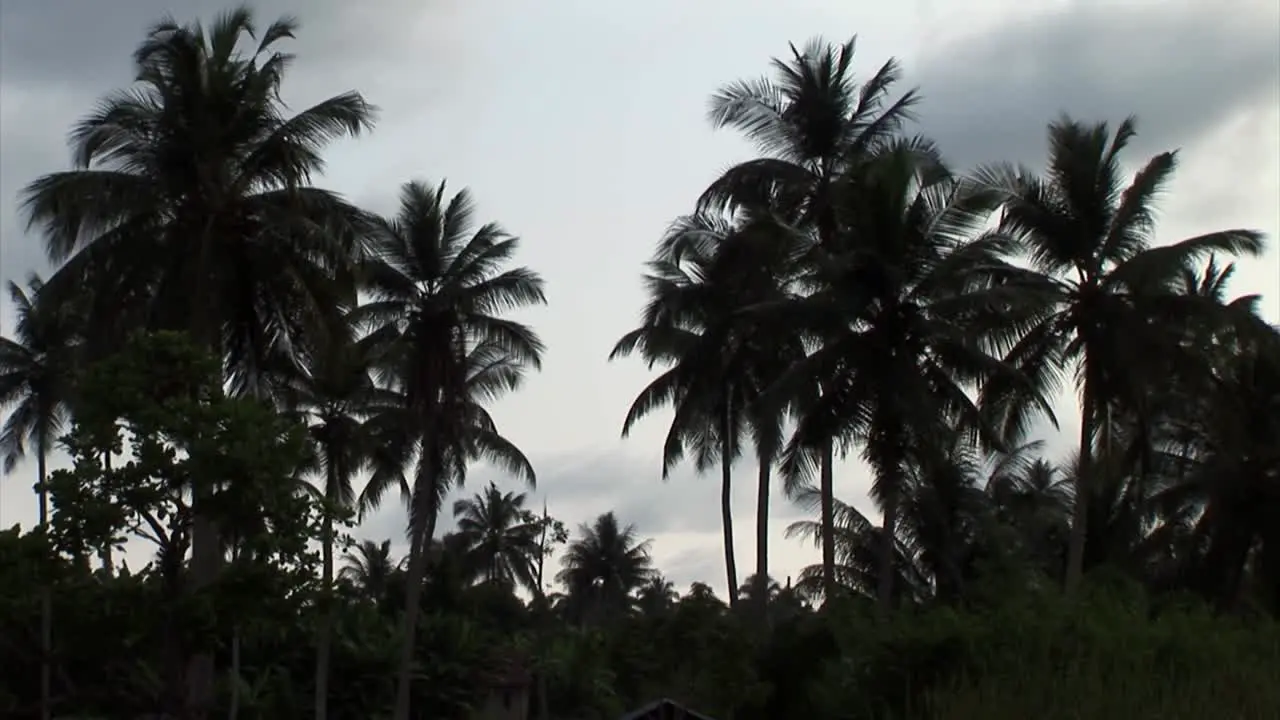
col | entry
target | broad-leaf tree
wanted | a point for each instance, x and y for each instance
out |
(189, 208)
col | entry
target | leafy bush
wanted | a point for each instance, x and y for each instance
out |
(1106, 655)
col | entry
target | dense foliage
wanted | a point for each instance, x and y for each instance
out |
(240, 365)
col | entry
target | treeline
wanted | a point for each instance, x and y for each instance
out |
(228, 351)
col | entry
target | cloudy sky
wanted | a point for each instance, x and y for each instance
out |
(580, 125)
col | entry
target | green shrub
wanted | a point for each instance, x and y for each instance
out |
(1106, 655)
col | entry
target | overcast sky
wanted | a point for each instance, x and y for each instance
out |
(580, 125)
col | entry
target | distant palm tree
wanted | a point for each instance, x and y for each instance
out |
(811, 121)
(189, 209)
(657, 596)
(1105, 293)
(500, 536)
(369, 567)
(37, 368)
(437, 289)
(37, 373)
(858, 554)
(603, 567)
(1034, 497)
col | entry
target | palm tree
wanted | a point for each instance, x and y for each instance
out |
(909, 316)
(437, 289)
(706, 275)
(337, 400)
(37, 369)
(189, 209)
(1034, 498)
(858, 554)
(657, 596)
(812, 121)
(499, 536)
(369, 567)
(1226, 471)
(1106, 294)
(603, 567)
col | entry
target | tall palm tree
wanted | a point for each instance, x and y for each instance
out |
(603, 567)
(811, 121)
(189, 209)
(437, 289)
(500, 538)
(910, 315)
(336, 398)
(37, 371)
(706, 274)
(1107, 295)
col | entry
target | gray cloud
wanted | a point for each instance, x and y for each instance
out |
(1181, 68)
(578, 488)
(88, 44)
(52, 71)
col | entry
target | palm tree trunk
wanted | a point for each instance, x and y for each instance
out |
(104, 553)
(544, 703)
(1084, 488)
(726, 501)
(206, 540)
(46, 600)
(826, 491)
(542, 552)
(233, 711)
(205, 558)
(888, 549)
(418, 547)
(324, 641)
(762, 521)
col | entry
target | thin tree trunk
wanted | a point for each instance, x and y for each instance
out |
(544, 704)
(762, 520)
(174, 655)
(234, 710)
(726, 502)
(206, 540)
(826, 491)
(887, 549)
(542, 551)
(205, 558)
(418, 548)
(46, 601)
(1084, 489)
(104, 553)
(324, 641)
